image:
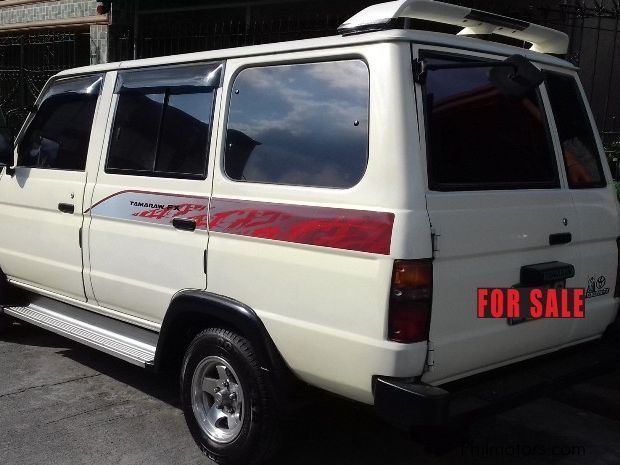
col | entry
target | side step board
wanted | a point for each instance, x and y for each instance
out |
(122, 340)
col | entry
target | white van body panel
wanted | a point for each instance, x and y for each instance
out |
(29, 202)
(468, 257)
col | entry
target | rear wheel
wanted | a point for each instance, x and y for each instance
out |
(228, 401)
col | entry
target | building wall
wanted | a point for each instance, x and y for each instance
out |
(45, 11)
(98, 44)
(22, 15)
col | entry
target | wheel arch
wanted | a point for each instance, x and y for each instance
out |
(191, 311)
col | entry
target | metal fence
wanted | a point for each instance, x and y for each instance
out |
(611, 141)
(593, 25)
(27, 61)
(208, 27)
(594, 29)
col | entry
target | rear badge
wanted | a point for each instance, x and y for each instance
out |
(596, 287)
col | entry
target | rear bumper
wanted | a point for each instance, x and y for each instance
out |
(408, 404)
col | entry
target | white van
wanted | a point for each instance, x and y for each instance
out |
(321, 211)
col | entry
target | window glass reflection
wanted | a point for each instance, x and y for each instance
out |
(162, 122)
(302, 124)
(59, 133)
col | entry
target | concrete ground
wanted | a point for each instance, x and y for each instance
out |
(65, 404)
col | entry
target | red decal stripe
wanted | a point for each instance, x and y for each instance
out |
(359, 230)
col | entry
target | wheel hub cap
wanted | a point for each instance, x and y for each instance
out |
(217, 400)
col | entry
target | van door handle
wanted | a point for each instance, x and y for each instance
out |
(560, 238)
(184, 224)
(66, 208)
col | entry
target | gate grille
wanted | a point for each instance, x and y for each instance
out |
(27, 61)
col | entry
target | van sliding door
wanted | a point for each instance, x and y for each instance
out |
(148, 231)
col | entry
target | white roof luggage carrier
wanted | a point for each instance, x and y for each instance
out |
(473, 22)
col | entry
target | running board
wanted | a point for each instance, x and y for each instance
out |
(125, 341)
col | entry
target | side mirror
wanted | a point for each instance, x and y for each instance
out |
(518, 79)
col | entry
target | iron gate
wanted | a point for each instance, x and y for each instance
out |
(594, 30)
(27, 61)
(593, 25)
(216, 25)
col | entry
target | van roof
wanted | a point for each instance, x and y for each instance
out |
(322, 43)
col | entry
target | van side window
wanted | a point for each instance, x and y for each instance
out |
(581, 156)
(479, 138)
(59, 133)
(162, 124)
(300, 124)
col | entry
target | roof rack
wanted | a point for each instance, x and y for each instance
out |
(473, 22)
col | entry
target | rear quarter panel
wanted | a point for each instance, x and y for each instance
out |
(325, 307)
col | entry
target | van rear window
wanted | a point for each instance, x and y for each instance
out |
(479, 138)
(300, 124)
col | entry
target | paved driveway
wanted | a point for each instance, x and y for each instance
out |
(65, 404)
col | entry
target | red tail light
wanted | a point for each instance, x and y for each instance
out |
(617, 293)
(410, 301)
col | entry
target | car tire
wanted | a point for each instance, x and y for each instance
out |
(228, 399)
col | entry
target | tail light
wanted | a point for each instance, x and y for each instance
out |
(617, 293)
(410, 301)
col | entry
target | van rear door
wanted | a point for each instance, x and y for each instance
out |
(594, 196)
(496, 201)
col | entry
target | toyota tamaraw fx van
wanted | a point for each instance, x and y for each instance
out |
(318, 212)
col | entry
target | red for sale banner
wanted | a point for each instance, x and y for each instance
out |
(531, 303)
